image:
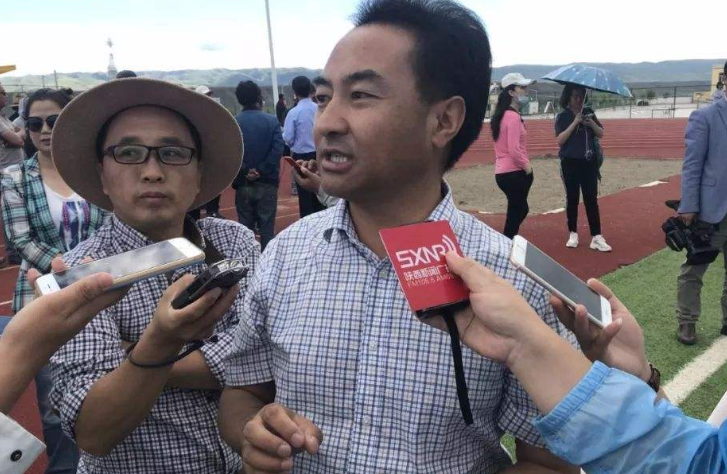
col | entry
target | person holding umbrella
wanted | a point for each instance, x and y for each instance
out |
(575, 129)
(513, 172)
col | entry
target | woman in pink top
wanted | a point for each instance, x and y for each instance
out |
(513, 172)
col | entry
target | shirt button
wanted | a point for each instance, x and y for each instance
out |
(15, 457)
(373, 345)
(384, 272)
(366, 420)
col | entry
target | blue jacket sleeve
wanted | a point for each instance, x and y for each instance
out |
(611, 423)
(697, 143)
(271, 164)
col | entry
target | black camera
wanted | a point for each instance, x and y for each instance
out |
(696, 238)
(223, 274)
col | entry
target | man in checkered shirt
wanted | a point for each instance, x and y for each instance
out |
(160, 150)
(330, 371)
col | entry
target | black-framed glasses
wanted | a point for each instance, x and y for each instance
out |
(35, 124)
(175, 155)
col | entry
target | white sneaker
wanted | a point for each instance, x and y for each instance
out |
(599, 243)
(572, 241)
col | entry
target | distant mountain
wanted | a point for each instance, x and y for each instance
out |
(668, 72)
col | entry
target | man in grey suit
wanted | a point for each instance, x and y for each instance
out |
(704, 197)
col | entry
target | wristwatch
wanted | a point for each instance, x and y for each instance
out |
(655, 378)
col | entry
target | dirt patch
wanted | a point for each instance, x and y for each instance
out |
(475, 188)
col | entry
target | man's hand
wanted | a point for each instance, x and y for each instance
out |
(309, 179)
(498, 318)
(619, 345)
(253, 175)
(688, 218)
(68, 310)
(273, 436)
(46, 324)
(193, 322)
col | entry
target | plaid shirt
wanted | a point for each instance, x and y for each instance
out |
(29, 224)
(180, 433)
(327, 321)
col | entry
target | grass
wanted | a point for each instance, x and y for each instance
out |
(648, 289)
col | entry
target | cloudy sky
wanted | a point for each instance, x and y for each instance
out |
(70, 35)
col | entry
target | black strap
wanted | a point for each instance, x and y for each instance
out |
(464, 400)
(211, 254)
(193, 346)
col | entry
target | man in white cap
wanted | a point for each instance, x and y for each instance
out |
(150, 151)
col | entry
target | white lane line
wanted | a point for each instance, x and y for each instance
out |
(692, 375)
(652, 184)
(555, 211)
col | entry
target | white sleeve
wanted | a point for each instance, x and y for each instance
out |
(18, 448)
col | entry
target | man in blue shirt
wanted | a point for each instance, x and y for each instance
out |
(298, 135)
(256, 185)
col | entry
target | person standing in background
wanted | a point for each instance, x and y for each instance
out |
(256, 185)
(298, 135)
(704, 199)
(281, 110)
(12, 140)
(575, 129)
(513, 172)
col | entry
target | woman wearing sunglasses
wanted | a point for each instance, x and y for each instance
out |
(44, 218)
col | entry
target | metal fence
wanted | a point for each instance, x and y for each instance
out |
(653, 101)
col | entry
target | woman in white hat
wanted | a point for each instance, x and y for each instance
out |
(513, 172)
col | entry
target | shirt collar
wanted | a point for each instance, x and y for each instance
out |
(32, 165)
(129, 238)
(340, 219)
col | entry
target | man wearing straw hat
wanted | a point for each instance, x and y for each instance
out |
(150, 151)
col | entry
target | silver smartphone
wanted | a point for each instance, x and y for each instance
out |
(129, 267)
(555, 278)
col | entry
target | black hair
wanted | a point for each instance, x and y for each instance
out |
(248, 94)
(281, 96)
(724, 69)
(302, 87)
(568, 92)
(125, 73)
(451, 58)
(504, 103)
(60, 97)
(720, 85)
(101, 137)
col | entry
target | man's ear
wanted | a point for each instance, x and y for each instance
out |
(99, 167)
(449, 116)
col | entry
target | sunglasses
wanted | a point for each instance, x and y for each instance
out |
(35, 124)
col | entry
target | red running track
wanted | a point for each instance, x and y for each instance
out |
(632, 239)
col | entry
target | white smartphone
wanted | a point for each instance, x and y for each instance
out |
(555, 278)
(129, 267)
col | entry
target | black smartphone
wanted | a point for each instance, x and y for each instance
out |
(223, 274)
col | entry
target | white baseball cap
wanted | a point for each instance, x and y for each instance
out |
(204, 90)
(517, 79)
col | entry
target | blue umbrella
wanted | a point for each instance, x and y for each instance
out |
(589, 77)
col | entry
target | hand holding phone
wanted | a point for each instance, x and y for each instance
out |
(553, 277)
(223, 274)
(293, 163)
(498, 318)
(129, 267)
